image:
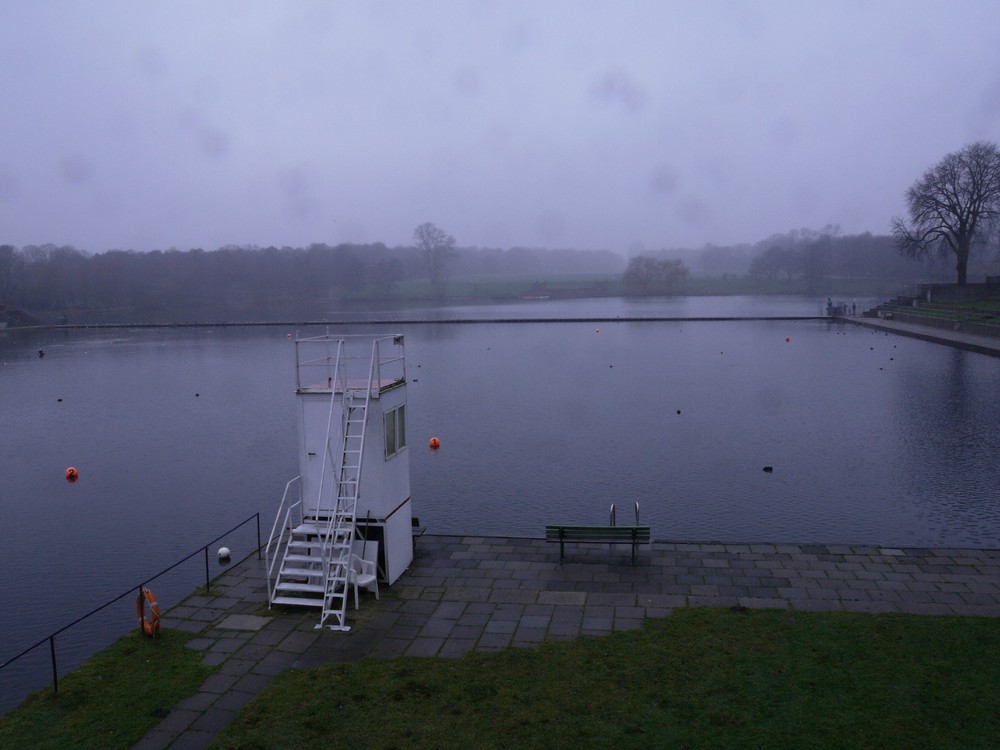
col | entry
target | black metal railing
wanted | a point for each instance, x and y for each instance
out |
(51, 639)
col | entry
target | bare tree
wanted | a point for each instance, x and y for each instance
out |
(11, 265)
(438, 248)
(953, 206)
(646, 275)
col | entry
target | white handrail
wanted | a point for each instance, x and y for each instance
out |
(336, 380)
(285, 526)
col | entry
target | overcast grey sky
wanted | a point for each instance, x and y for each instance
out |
(562, 124)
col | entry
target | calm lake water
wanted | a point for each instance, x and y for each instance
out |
(179, 434)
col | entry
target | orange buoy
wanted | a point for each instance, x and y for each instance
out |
(435, 443)
(72, 474)
(151, 626)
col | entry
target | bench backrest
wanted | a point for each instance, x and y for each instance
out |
(598, 533)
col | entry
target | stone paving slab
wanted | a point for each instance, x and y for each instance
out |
(475, 593)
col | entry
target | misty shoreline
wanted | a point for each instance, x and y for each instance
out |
(427, 321)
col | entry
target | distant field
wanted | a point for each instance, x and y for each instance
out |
(518, 287)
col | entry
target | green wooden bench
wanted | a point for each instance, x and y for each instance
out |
(634, 535)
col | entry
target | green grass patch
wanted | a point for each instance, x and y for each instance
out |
(699, 678)
(113, 699)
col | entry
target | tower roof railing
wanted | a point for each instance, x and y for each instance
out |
(365, 360)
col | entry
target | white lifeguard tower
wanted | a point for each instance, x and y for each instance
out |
(352, 495)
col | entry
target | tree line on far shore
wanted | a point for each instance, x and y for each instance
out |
(811, 258)
(240, 283)
(954, 215)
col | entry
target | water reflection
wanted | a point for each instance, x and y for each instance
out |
(948, 411)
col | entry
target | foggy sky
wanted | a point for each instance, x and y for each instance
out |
(613, 125)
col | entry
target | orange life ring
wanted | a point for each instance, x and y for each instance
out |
(149, 626)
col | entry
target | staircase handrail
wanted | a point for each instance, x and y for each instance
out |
(327, 533)
(339, 379)
(285, 526)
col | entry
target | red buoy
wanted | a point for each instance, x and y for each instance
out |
(788, 339)
(72, 474)
(435, 443)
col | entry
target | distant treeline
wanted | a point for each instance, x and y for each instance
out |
(801, 261)
(244, 283)
(253, 283)
(811, 254)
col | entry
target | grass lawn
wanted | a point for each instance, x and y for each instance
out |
(112, 700)
(700, 678)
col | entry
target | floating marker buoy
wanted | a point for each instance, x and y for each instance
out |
(435, 443)
(223, 554)
(72, 474)
(768, 469)
(788, 339)
(598, 330)
(678, 411)
(289, 337)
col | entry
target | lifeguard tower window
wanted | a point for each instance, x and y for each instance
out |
(395, 430)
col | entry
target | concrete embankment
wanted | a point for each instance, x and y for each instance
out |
(971, 342)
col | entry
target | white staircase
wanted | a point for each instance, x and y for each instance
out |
(315, 547)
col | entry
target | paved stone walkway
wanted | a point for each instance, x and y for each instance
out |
(466, 593)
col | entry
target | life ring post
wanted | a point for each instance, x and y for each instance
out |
(148, 626)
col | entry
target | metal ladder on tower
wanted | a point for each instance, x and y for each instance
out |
(342, 523)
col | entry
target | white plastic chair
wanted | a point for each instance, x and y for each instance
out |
(363, 572)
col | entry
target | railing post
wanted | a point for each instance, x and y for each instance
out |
(55, 672)
(140, 600)
(141, 603)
